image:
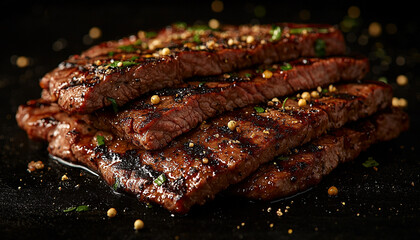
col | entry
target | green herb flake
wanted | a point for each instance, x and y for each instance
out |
(370, 163)
(70, 209)
(111, 54)
(300, 30)
(82, 208)
(286, 66)
(282, 158)
(114, 104)
(201, 84)
(181, 25)
(138, 42)
(128, 48)
(248, 75)
(259, 109)
(116, 184)
(323, 30)
(275, 33)
(320, 48)
(160, 180)
(283, 106)
(134, 58)
(151, 34)
(324, 90)
(115, 64)
(197, 38)
(100, 140)
(383, 79)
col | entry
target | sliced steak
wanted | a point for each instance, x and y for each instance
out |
(126, 69)
(196, 166)
(181, 109)
(305, 166)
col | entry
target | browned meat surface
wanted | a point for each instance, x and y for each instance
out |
(196, 166)
(153, 126)
(305, 166)
(124, 70)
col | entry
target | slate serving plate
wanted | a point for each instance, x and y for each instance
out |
(371, 204)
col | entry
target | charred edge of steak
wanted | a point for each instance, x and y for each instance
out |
(84, 83)
(220, 156)
(305, 166)
(181, 109)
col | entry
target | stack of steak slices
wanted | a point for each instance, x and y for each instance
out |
(261, 111)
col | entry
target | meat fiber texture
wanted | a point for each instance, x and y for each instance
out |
(180, 109)
(193, 168)
(120, 71)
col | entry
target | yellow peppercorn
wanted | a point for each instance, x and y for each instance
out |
(155, 99)
(112, 212)
(306, 96)
(232, 125)
(250, 39)
(331, 88)
(138, 224)
(315, 94)
(302, 102)
(267, 74)
(165, 51)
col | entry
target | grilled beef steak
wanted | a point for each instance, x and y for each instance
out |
(180, 109)
(124, 70)
(196, 166)
(305, 166)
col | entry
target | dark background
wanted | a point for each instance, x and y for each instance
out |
(381, 204)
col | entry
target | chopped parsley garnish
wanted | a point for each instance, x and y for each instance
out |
(196, 38)
(134, 58)
(138, 42)
(370, 163)
(286, 66)
(282, 158)
(70, 209)
(114, 104)
(100, 140)
(116, 64)
(284, 104)
(248, 75)
(201, 84)
(300, 30)
(320, 48)
(160, 180)
(128, 48)
(181, 25)
(307, 29)
(259, 109)
(80, 208)
(151, 34)
(116, 184)
(383, 79)
(111, 54)
(324, 90)
(275, 33)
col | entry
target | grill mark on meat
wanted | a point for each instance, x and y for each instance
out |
(81, 85)
(183, 108)
(309, 163)
(190, 182)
